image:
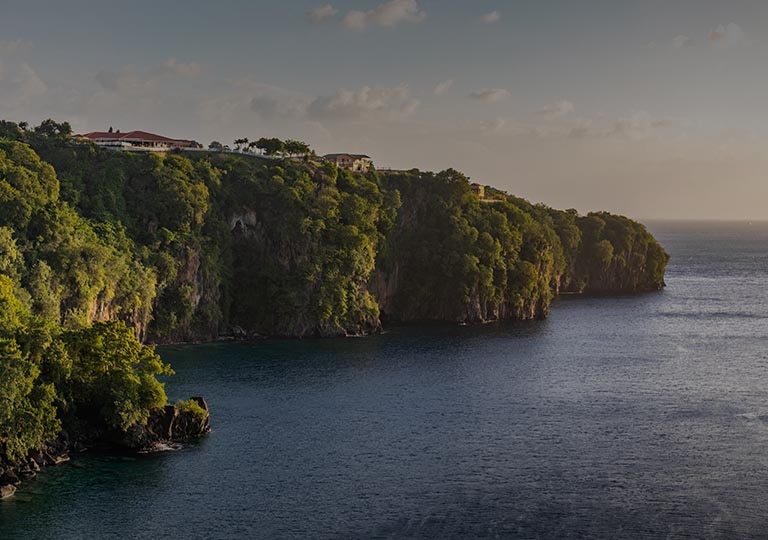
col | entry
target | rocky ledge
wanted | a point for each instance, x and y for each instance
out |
(167, 427)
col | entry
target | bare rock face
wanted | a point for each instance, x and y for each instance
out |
(167, 426)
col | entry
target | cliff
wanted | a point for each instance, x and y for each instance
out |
(189, 247)
(454, 257)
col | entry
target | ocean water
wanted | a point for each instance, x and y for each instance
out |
(625, 417)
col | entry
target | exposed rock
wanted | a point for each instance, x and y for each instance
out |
(165, 426)
(9, 477)
(7, 491)
(37, 457)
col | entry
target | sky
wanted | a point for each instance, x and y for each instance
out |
(651, 109)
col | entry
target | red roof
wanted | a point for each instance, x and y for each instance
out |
(129, 136)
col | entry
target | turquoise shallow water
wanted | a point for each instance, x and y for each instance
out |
(628, 417)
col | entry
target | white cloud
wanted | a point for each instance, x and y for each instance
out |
(20, 84)
(490, 95)
(727, 35)
(172, 67)
(368, 102)
(556, 110)
(679, 42)
(131, 79)
(387, 14)
(28, 82)
(442, 88)
(322, 13)
(558, 123)
(274, 102)
(722, 36)
(638, 125)
(490, 18)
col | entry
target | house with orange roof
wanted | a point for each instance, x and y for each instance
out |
(136, 141)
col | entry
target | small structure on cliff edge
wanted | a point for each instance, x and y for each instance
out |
(478, 190)
(351, 162)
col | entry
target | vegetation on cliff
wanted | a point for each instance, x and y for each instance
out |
(186, 247)
(453, 256)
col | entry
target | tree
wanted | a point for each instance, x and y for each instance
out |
(240, 143)
(271, 147)
(216, 146)
(49, 128)
(297, 148)
(113, 379)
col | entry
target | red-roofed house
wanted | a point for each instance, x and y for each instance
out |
(136, 140)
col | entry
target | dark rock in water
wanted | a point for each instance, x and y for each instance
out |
(7, 491)
(9, 477)
(38, 457)
(167, 425)
(27, 474)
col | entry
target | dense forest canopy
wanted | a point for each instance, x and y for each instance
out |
(100, 250)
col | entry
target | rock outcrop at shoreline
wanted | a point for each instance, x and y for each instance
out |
(167, 428)
(172, 424)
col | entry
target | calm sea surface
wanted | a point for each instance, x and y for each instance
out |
(630, 417)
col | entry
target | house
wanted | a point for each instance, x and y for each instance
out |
(136, 141)
(478, 190)
(352, 162)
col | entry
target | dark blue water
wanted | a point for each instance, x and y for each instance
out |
(630, 417)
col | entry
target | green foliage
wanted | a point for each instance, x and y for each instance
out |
(179, 247)
(452, 257)
(27, 411)
(618, 254)
(193, 407)
(113, 378)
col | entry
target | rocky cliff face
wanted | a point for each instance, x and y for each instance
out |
(189, 247)
(454, 258)
(167, 426)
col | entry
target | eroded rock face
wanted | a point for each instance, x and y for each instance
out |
(166, 426)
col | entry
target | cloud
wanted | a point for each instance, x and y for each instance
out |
(19, 82)
(727, 35)
(368, 102)
(387, 14)
(559, 123)
(442, 88)
(172, 67)
(490, 95)
(722, 36)
(12, 46)
(490, 18)
(129, 78)
(556, 110)
(29, 82)
(679, 42)
(272, 102)
(322, 13)
(638, 125)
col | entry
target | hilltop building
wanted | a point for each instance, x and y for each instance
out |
(478, 190)
(352, 162)
(136, 141)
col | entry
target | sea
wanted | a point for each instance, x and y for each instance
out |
(626, 417)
